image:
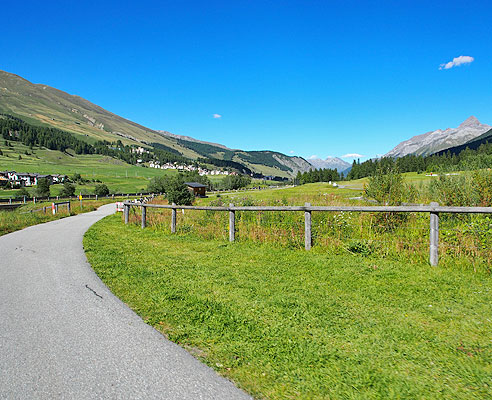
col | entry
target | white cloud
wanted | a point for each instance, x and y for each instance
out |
(217, 116)
(353, 155)
(291, 152)
(457, 61)
(313, 157)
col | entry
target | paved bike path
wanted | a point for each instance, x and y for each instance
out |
(64, 335)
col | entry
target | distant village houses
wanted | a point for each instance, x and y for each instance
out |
(140, 150)
(21, 179)
(184, 167)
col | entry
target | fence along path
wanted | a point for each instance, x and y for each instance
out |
(433, 209)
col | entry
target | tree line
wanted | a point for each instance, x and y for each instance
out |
(14, 129)
(317, 175)
(466, 160)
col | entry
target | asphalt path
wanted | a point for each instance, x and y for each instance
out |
(63, 335)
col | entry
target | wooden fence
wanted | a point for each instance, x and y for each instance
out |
(433, 209)
(53, 208)
(34, 199)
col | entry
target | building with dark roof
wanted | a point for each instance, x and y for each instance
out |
(198, 189)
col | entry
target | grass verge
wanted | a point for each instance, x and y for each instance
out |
(11, 221)
(286, 324)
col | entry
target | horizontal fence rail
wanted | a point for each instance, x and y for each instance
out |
(433, 209)
(25, 199)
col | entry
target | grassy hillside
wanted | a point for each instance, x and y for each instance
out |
(119, 176)
(42, 104)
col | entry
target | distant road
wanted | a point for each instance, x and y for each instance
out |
(65, 336)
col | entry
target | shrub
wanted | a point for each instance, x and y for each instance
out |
(177, 192)
(43, 187)
(158, 184)
(232, 182)
(362, 247)
(453, 191)
(68, 190)
(482, 184)
(101, 190)
(23, 192)
(386, 187)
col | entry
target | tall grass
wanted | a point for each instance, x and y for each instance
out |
(465, 240)
(33, 214)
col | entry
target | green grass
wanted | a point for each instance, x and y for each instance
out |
(117, 175)
(11, 221)
(290, 324)
(297, 195)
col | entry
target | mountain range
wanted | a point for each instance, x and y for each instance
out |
(438, 140)
(330, 163)
(43, 105)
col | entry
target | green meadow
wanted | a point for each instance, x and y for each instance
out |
(117, 175)
(283, 323)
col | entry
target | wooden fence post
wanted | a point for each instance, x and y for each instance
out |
(232, 224)
(127, 213)
(307, 228)
(173, 220)
(68, 207)
(144, 216)
(434, 236)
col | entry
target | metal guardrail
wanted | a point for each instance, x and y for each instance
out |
(433, 209)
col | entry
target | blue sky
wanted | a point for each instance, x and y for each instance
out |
(302, 77)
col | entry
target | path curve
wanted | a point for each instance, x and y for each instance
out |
(63, 334)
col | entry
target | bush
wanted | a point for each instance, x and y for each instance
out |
(101, 190)
(158, 184)
(362, 247)
(23, 192)
(482, 184)
(387, 187)
(177, 192)
(43, 187)
(68, 190)
(232, 182)
(453, 191)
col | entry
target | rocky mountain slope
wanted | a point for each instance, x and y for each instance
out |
(42, 104)
(473, 144)
(329, 163)
(432, 142)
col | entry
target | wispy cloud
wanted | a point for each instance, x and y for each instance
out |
(217, 116)
(353, 155)
(291, 152)
(457, 61)
(314, 156)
